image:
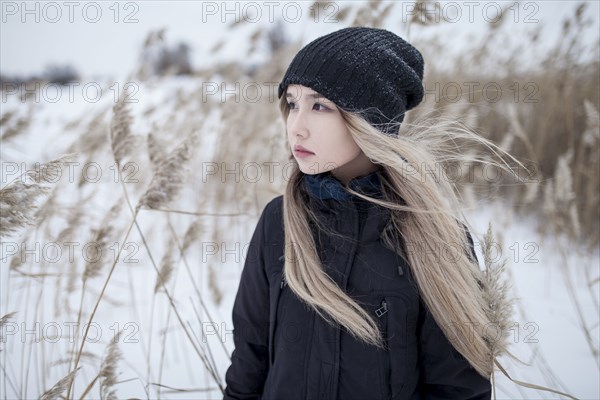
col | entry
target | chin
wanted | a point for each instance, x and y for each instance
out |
(309, 171)
(311, 168)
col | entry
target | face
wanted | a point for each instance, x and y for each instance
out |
(316, 124)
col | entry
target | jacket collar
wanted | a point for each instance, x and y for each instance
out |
(326, 186)
(328, 195)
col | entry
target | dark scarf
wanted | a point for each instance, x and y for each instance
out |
(326, 186)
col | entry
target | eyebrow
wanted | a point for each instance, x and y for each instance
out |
(313, 95)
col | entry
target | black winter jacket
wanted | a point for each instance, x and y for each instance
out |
(285, 351)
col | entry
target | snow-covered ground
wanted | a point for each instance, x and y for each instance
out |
(546, 333)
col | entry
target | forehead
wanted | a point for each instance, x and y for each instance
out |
(299, 91)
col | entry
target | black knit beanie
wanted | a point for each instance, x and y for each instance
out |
(362, 69)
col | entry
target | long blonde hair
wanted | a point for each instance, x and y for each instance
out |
(428, 209)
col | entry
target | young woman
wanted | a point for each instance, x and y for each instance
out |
(360, 281)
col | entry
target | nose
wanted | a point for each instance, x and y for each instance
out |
(298, 123)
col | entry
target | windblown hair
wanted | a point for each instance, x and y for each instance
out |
(424, 212)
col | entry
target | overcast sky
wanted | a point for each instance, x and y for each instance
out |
(104, 38)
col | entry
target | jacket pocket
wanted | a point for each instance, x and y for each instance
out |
(397, 313)
(275, 290)
(279, 323)
(381, 312)
(397, 309)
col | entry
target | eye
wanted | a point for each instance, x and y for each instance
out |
(292, 105)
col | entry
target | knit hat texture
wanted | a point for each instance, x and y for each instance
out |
(369, 70)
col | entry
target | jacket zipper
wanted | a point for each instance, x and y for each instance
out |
(280, 305)
(381, 310)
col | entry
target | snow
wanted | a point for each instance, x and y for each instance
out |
(547, 335)
(547, 332)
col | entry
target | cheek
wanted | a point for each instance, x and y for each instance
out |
(348, 152)
(342, 147)
(290, 136)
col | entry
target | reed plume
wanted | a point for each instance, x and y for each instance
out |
(56, 391)
(19, 198)
(193, 232)
(495, 293)
(108, 370)
(156, 151)
(102, 240)
(170, 177)
(122, 140)
(166, 266)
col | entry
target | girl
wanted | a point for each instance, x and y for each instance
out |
(360, 282)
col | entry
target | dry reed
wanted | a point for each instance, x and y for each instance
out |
(19, 198)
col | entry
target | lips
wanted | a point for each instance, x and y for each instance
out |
(301, 149)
